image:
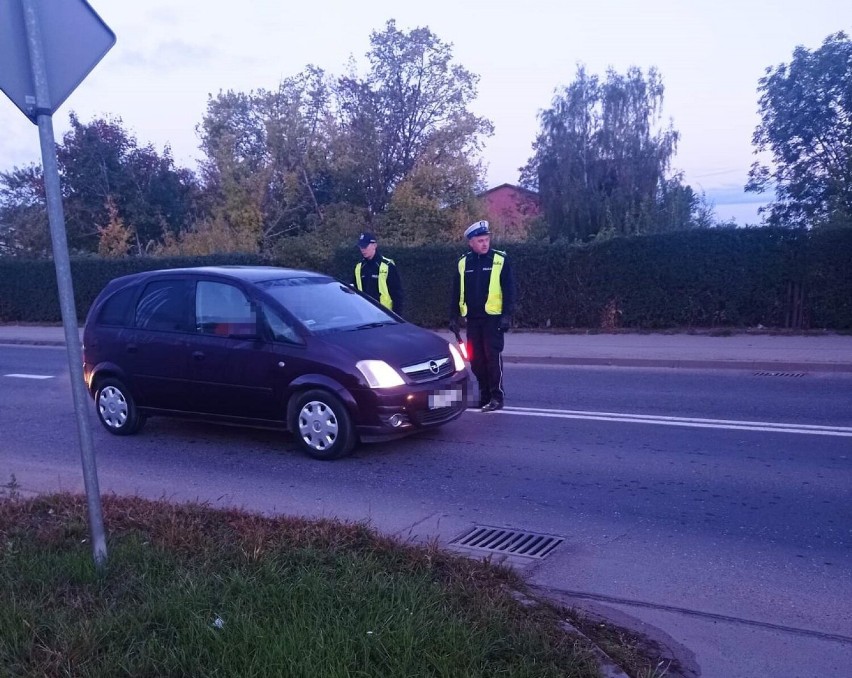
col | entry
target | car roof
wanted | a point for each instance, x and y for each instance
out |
(252, 274)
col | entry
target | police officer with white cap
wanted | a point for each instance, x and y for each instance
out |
(484, 295)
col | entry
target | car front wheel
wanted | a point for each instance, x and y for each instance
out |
(322, 426)
(116, 408)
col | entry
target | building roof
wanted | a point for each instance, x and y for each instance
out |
(519, 189)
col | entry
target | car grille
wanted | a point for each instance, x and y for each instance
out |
(427, 417)
(429, 370)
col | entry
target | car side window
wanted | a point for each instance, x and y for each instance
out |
(164, 305)
(116, 309)
(223, 309)
(280, 328)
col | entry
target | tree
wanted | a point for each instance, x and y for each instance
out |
(601, 160)
(106, 179)
(679, 207)
(278, 163)
(114, 238)
(100, 163)
(412, 107)
(806, 126)
(418, 212)
(208, 236)
(24, 228)
(266, 166)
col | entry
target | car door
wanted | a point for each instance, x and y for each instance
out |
(232, 370)
(154, 351)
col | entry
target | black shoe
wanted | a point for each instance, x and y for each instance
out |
(483, 401)
(492, 405)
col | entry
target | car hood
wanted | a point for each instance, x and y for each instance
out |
(397, 345)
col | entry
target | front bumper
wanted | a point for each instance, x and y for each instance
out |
(391, 413)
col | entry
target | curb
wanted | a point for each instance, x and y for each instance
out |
(748, 365)
(687, 364)
(33, 342)
(607, 666)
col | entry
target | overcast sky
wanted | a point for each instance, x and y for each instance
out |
(170, 54)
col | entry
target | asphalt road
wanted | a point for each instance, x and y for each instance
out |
(716, 507)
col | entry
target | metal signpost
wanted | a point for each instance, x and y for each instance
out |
(47, 48)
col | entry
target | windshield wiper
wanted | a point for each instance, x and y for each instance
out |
(367, 326)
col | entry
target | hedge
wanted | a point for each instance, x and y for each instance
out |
(694, 279)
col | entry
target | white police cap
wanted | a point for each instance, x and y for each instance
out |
(479, 228)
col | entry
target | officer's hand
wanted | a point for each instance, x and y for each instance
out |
(505, 323)
(454, 325)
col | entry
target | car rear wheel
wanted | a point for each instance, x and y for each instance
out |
(116, 408)
(321, 425)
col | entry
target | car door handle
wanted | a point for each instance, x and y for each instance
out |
(198, 355)
(132, 348)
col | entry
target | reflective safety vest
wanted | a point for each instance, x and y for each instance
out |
(384, 294)
(494, 300)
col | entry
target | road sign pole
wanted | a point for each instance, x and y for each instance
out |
(64, 282)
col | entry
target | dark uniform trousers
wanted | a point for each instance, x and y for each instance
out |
(486, 346)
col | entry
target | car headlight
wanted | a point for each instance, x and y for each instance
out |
(458, 361)
(379, 374)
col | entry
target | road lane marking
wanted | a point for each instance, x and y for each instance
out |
(691, 422)
(30, 376)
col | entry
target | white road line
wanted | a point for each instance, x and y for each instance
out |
(731, 424)
(681, 419)
(30, 376)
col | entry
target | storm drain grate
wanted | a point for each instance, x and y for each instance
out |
(779, 374)
(509, 542)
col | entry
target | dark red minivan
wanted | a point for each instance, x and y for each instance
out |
(266, 346)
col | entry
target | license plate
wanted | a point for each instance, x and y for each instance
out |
(444, 398)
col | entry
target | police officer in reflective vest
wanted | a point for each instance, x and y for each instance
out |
(377, 276)
(484, 295)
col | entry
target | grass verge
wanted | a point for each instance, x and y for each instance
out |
(192, 591)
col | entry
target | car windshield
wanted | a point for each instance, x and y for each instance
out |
(325, 305)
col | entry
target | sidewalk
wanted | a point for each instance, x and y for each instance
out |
(763, 352)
